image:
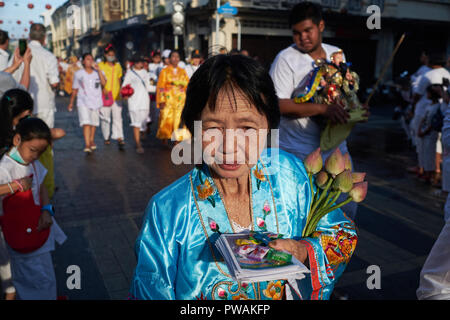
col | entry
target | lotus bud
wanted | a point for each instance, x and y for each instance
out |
(358, 176)
(348, 162)
(322, 179)
(335, 163)
(343, 181)
(359, 191)
(313, 162)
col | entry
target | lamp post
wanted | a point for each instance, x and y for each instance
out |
(177, 21)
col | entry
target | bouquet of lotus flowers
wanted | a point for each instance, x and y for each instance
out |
(331, 180)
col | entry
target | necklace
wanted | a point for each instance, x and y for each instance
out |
(230, 220)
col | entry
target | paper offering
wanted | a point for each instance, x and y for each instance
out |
(249, 258)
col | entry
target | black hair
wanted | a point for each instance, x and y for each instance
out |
(85, 55)
(109, 48)
(3, 37)
(432, 94)
(37, 31)
(12, 104)
(33, 128)
(304, 11)
(230, 72)
(436, 58)
(174, 51)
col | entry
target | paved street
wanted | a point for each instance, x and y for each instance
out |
(101, 199)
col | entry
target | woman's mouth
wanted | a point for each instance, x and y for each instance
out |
(230, 167)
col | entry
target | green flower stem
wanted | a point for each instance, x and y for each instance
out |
(321, 213)
(324, 192)
(329, 203)
(310, 210)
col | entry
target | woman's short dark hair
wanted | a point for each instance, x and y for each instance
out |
(304, 11)
(230, 72)
(174, 51)
(13, 103)
(33, 128)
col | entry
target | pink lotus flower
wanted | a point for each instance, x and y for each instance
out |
(222, 293)
(313, 162)
(260, 222)
(343, 181)
(359, 191)
(266, 207)
(335, 163)
(348, 162)
(322, 179)
(358, 176)
(213, 225)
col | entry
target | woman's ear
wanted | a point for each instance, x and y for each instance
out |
(16, 139)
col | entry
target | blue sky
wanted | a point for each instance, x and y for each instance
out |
(18, 10)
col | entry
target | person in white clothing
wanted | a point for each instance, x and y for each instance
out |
(436, 75)
(429, 136)
(87, 85)
(299, 133)
(44, 75)
(30, 241)
(4, 55)
(194, 63)
(139, 102)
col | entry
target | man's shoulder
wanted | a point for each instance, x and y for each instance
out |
(329, 49)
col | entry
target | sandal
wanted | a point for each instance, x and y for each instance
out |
(121, 144)
(93, 147)
(107, 142)
(87, 150)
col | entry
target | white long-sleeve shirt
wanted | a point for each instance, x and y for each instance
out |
(43, 73)
(140, 82)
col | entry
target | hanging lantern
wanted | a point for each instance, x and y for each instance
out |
(1, 21)
(30, 6)
(31, 22)
(18, 22)
(2, 4)
(48, 7)
(26, 30)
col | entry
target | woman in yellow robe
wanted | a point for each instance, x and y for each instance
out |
(73, 67)
(170, 98)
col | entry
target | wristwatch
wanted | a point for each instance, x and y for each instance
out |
(49, 208)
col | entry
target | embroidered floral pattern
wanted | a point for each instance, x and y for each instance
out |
(213, 225)
(274, 290)
(206, 191)
(338, 247)
(202, 297)
(260, 177)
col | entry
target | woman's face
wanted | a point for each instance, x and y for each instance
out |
(88, 61)
(234, 135)
(20, 116)
(174, 59)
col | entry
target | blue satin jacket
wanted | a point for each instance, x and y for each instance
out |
(176, 255)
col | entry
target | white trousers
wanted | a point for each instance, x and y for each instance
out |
(108, 115)
(429, 151)
(48, 116)
(435, 275)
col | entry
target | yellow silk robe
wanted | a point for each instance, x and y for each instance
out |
(171, 90)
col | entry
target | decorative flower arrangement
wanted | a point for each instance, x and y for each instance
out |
(331, 180)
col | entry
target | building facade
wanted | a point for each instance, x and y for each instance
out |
(260, 26)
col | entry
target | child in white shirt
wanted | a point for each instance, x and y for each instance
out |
(139, 102)
(429, 136)
(87, 85)
(27, 219)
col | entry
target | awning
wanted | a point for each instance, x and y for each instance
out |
(127, 23)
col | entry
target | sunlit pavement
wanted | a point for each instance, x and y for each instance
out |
(101, 199)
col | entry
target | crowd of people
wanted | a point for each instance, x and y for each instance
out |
(225, 91)
(424, 111)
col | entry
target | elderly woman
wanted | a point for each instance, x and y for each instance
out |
(176, 254)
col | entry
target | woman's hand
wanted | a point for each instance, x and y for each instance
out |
(70, 107)
(45, 221)
(296, 248)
